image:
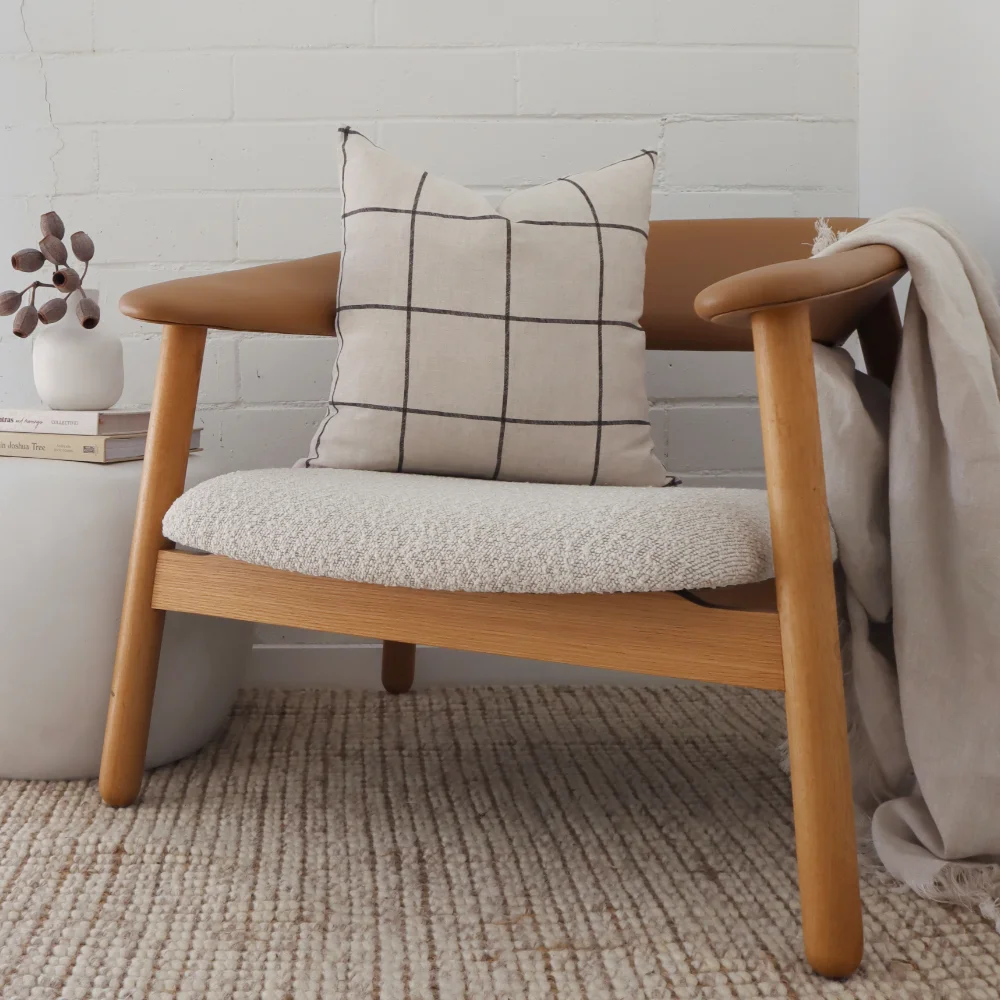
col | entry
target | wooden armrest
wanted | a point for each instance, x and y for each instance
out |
(297, 296)
(842, 292)
(840, 289)
(732, 300)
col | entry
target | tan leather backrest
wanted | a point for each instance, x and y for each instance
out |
(685, 256)
(682, 258)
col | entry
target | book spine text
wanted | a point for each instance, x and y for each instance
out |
(80, 449)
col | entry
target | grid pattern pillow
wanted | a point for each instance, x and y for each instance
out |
(498, 343)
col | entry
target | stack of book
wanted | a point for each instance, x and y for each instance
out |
(101, 436)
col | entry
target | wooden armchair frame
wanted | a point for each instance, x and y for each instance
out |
(772, 299)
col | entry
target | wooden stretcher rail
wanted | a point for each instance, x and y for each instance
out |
(660, 634)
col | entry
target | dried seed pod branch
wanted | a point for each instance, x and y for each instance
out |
(53, 249)
(28, 259)
(25, 321)
(52, 311)
(65, 279)
(88, 312)
(83, 247)
(10, 302)
(52, 225)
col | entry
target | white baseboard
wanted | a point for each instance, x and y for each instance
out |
(357, 666)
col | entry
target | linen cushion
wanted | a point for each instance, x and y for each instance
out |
(439, 533)
(497, 343)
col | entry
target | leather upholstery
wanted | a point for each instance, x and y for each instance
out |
(746, 259)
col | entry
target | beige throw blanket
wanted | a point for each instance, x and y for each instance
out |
(914, 494)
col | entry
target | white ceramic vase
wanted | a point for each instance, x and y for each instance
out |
(75, 368)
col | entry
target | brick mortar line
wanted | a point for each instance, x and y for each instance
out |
(533, 117)
(169, 196)
(332, 193)
(588, 48)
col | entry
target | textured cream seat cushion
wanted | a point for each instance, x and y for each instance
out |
(437, 533)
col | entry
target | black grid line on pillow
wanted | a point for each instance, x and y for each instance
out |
(478, 218)
(409, 321)
(599, 322)
(559, 320)
(506, 356)
(527, 421)
(600, 326)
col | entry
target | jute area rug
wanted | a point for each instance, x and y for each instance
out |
(485, 843)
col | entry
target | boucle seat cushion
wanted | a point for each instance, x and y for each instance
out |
(437, 533)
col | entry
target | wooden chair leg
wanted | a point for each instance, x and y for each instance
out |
(141, 629)
(398, 665)
(814, 689)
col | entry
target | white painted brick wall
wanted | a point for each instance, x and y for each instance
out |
(274, 369)
(367, 83)
(237, 156)
(140, 86)
(686, 81)
(287, 225)
(197, 135)
(784, 153)
(181, 25)
(155, 228)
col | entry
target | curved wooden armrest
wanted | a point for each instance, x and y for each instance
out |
(840, 289)
(297, 296)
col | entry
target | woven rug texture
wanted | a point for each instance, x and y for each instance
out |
(516, 843)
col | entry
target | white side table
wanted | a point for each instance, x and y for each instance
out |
(66, 529)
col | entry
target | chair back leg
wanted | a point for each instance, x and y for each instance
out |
(141, 629)
(398, 666)
(807, 613)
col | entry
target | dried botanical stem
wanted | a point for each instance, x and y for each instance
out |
(52, 250)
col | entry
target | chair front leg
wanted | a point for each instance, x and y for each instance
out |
(807, 612)
(141, 629)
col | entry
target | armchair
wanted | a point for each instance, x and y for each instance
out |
(710, 285)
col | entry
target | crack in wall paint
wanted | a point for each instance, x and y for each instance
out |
(60, 142)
